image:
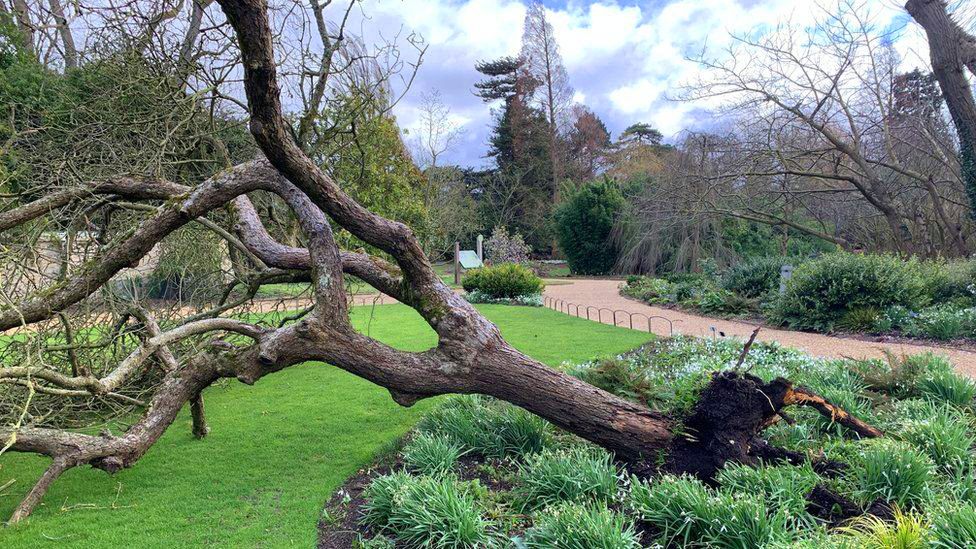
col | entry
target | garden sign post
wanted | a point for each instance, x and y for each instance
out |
(480, 248)
(457, 262)
(785, 274)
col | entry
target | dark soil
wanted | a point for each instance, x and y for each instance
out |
(836, 510)
(830, 506)
(725, 424)
(339, 526)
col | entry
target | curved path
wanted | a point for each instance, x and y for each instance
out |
(606, 293)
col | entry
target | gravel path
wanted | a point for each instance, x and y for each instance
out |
(605, 293)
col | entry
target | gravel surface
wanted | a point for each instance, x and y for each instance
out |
(605, 294)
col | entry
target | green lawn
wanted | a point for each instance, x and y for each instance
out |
(277, 450)
(559, 270)
(356, 286)
(353, 285)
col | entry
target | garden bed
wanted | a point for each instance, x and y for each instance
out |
(879, 296)
(755, 319)
(478, 472)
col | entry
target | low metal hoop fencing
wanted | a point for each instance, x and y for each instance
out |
(592, 312)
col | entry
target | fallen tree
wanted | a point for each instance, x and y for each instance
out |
(471, 356)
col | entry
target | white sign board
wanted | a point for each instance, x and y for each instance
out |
(469, 259)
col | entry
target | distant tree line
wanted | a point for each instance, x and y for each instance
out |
(854, 154)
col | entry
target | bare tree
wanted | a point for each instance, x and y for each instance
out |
(543, 63)
(191, 351)
(952, 50)
(446, 197)
(438, 133)
(670, 226)
(818, 118)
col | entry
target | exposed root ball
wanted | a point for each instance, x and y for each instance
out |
(725, 423)
(729, 416)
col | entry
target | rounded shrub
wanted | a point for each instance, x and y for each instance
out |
(754, 277)
(649, 289)
(505, 281)
(826, 289)
(583, 225)
(951, 282)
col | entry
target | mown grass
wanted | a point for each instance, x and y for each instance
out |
(277, 450)
(356, 286)
(353, 285)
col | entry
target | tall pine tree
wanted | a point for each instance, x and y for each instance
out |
(519, 143)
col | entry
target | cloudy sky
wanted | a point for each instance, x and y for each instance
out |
(622, 56)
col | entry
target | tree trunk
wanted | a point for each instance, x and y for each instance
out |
(200, 427)
(24, 23)
(64, 31)
(952, 49)
(192, 33)
(954, 230)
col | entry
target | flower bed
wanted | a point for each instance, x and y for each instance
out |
(862, 294)
(482, 473)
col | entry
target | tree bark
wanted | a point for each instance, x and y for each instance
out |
(954, 230)
(33, 498)
(24, 23)
(192, 33)
(64, 31)
(952, 49)
(200, 427)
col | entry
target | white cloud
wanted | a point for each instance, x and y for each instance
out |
(636, 97)
(670, 118)
(622, 59)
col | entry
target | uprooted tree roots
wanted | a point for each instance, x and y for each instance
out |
(730, 415)
(726, 425)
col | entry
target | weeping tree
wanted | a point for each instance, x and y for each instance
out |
(81, 341)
